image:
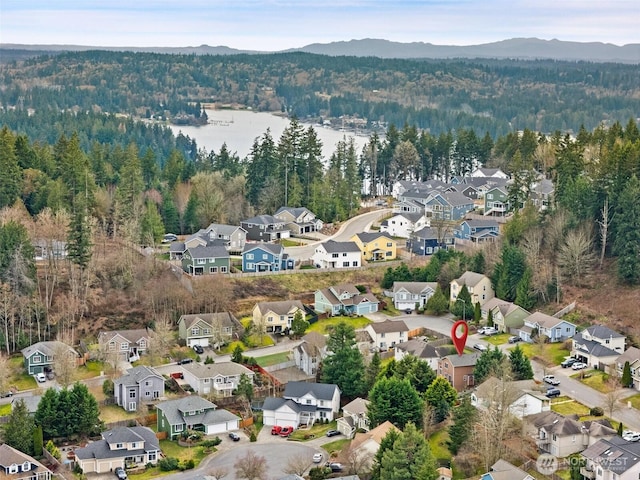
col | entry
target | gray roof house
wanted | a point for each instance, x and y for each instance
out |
(409, 295)
(613, 458)
(387, 334)
(302, 403)
(126, 447)
(332, 254)
(40, 356)
(128, 343)
(631, 355)
(220, 378)
(139, 385)
(420, 349)
(299, 220)
(354, 417)
(209, 329)
(310, 353)
(194, 413)
(503, 470)
(16, 465)
(598, 346)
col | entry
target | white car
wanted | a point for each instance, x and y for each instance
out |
(579, 366)
(41, 377)
(488, 331)
(551, 380)
(481, 347)
(317, 457)
(631, 436)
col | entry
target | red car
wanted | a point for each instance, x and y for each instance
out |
(275, 430)
(286, 431)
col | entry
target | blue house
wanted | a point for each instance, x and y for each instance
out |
(477, 230)
(265, 257)
(428, 241)
(346, 299)
(448, 206)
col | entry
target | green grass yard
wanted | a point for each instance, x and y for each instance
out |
(635, 401)
(273, 359)
(172, 449)
(323, 326)
(500, 339)
(548, 353)
(596, 379)
(438, 444)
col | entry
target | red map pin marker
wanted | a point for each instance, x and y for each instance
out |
(459, 333)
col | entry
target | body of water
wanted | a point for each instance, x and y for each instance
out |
(239, 128)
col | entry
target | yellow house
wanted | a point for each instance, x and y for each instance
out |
(276, 317)
(478, 285)
(376, 246)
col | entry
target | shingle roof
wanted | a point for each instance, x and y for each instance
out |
(592, 347)
(10, 456)
(331, 246)
(269, 247)
(470, 279)
(135, 375)
(213, 251)
(418, 348)
(481, 223)
(222, 229)
(631, 354)
(172, 409)
(224, 319)
(600, 331)
(464, 360)
(100, 449)
(357, 406)
(366, 237)
(211, 370)
(133, 336)
(48, 348)
(414, 287)
(322, 391)
(282, 307)
(544, 320)
(615, 454)
(389, 326)
(263, 220)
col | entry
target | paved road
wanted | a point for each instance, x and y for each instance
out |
(361, 223)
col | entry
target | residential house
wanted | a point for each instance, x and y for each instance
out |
(345, 299)
(376, 246)
(15, 465)
(503, 470)
(299, 220)
(478, 285)
(276, 317)
(614, 458)
(631, 355)
(219, 378)
(448, 206)
(412, 295)
(488, 172)
(409, 206)
(194, 413)
(138, 386)
(524, 396)
(554, 329)
(563, 436)
(542, 194)
(40, 356)
(458, 370)
(365, 445)
(265, 257)
(125, 447)
(478, 231)
(420, 349)
(507, 316)
(231, 237)
(265, 228)
(129, 344)
(354, 417)
(206, 260)
(496, 202)
(310, 352)
(598, 346)
(209, 329)
(387, 334)
(429, 240)
(404, 224)
(332, 254)
(302, 403)
(444, 473)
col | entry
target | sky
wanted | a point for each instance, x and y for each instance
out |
(281, 24)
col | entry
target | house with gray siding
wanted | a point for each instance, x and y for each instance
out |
(265, 228)
(206, 260)
(138, 386)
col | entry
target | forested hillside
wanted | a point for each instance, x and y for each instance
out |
(495, 96)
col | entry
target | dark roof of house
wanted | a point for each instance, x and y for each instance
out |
(411, 216)
(414, 287)
(428, 233)
(263, 220)
(489, 223)
(355, 297)
(133, 336)
(389, 326)
(600, 331)
(295, 211)
(631, 354)
(281, 307)
(135, 375)
(48, 348)
(211, 370)
(172, 409)
(10, 456)
(100, 449)
(224, 319)
(331, 246)
(418, 348)
(269, 247)
(212, 251)
(464, 360)
(222, 229)
(592, 347)
(615, 454)
(322, 391)
(366, 237)
(456, 199)
(554, 422)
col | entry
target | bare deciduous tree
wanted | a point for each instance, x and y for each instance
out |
(4, 377)
(576, 256)
(604, 223)
(298, 464)
(613, 396)
(358, 462)
(162, 337)
(251, 466)
(64, 364)
(219, 472)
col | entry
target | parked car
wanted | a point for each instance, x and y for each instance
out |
(275, 430)
(553, 392)
(334, 466)
(317, 457)
(551, 380)
(514, 339)
(286, 431)
(50, 374)
(234, 436)
(120, 473)
(481, 347)
(568, 362)
(169, 237)
(488, 331)
(41, 377)
(632, 436)
(184, 361)
(332, 433)
(198, 349)
(579, 366)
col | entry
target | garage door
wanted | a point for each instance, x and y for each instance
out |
(217, 428)
(203, 342)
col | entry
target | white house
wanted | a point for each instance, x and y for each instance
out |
(523, 396)
(354, 417)
(332, 254)
(419, 349)
(218, 378)
(302, 403)
(388, 334)
(310, 353)
(404, 224)
(612, 459)
(478, 285)
(488, 172)
(409, 295)
(598, 346)
(555, 329)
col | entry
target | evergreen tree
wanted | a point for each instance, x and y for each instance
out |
(151, 227)
(38, 441)
(490, 322)
(11, 184)
(236, 356)
(490, 362)
(508, 272)
(385, 444)
(86, 409)
(441, 396)
(626, 379)
(79, 246)
(477, 312)
(410, 458)
(437, 303)
(462, 307)
(345, 366)
(18, 431)
(46, 414)
(464, 416)
(394, 400)
(299, 325)
(524, 296)
(170, 216)
(626, 244)
(372, 371)
(620, 429)
(520, 364)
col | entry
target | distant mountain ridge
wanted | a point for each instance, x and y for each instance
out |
(515, 48)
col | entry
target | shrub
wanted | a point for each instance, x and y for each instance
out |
(53, 450)
(168, 464)
(187, 465)
(596, 412)
(253, 437)
(108, 388)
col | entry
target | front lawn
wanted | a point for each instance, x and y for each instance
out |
(273, 359)
(335, 447)
(567, 406)
(5, 410)
(438, 444)
(324, 326)
(635, 401)
(548, 353)
(172, 449)
(500, 339)
(596, 379)
(114, 413)
(91, 369)
(316, 430)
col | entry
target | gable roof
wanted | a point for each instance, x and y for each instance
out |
(430, 233)
(274, 249)
(456, 199)
(600, 331)
(389, 326)
(214, 369)
(357, 406)
(503, 470)
(413, 217)
(544, 320)
(592, 347)
(264, 220)
(321, 391)
(519, 388)
(133, 336)
(488, 223)
(10, 456)
(376, 434)
(135, 375)
(355, 297)
(614, 454)
(48, 348)
(222, 318)
(222, 229)
(210, 251)
(316, 339)
(331, 246)
(295, 211)
(631, 355)
(172, 409)
(418, 348)
(100, 449)
(470, 279)
(366, 237)
(415, 288)
(282, 307)
(464, 360)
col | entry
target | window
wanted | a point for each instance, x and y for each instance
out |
(389, 244)
(334, 255)
(132, 394)
(147, 394)
(249, 256)
(223, 269)
(195, 331)
(36, 359)
(344, 254)
(213, 270)
(490, 196)
(147, 383)
(265, 256)
(134, 445)
(124, 346)
(177, 428)
(355, 264)
(388, 254)
(119, 445)
(112, 346)
(250, 266)
(143, 344)
(152, 456)
(345, 264)
(308, 402)
(201, 261)
(13, 468)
